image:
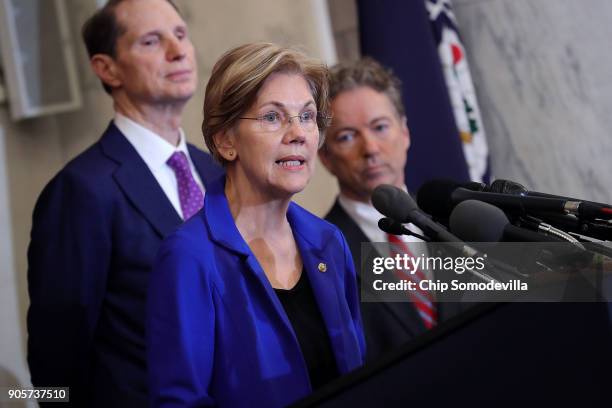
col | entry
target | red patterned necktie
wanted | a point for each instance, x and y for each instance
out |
(190, 194)
(422, 299)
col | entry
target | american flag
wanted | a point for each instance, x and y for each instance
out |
(460, 88)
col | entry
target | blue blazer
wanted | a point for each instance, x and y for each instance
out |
(96, 229)
(217, 333)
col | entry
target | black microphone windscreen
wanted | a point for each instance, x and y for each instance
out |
(434, 197)
(507, 187)
(477, 221)
(392, 202)
(390, 227)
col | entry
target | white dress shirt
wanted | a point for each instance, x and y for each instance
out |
(155, 151)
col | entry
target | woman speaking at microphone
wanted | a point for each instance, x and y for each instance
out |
(253, 302)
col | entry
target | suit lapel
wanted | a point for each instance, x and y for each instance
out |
(223, 231)
(318, 259)
(138, 183)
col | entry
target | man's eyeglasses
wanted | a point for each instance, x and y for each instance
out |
(275, 121)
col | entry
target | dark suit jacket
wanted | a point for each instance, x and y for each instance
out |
(386, 325)
(96, 229)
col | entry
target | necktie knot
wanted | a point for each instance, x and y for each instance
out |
(178, 161)
(190, 194)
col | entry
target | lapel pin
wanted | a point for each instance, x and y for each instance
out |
(322, 267)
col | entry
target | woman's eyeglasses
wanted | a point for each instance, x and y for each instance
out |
(274, 121)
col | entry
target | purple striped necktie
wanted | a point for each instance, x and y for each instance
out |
(190, 194)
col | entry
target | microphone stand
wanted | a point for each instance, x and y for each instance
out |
(547, 229)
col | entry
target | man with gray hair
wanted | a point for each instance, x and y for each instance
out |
(99, 222)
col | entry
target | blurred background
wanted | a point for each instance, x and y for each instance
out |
(540, 71)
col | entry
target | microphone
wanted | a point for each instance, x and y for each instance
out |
(508, 187)
(390, 226)
(514, 188)
(433, 195)
(399, 206)
(393, 227)
(477, 221)
(583, 229)
(439, 196)
(494, 226)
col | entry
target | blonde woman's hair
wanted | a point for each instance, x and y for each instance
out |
(240, 73)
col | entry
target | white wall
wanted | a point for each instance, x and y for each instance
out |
(543, 75)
